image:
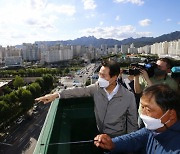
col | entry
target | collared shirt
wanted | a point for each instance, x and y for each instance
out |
(127, 81)
(115, 90)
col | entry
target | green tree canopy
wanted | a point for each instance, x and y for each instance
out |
(27, 99)
(18, 82)
(4, 110)
(35, 89)
(40, 81)
(66, 71)
(6, 90)
(48, 82)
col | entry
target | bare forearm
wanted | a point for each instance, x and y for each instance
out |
(149, 83)
(137, 86)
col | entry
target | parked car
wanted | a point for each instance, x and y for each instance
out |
(76, 83)
(20, 119)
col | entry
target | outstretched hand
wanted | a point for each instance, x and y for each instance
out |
(104, 141)
(47, 98)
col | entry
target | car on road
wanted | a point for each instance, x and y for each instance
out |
(76, 83)
(35, 112)
(20, 119)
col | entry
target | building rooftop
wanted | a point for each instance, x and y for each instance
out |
(3, 83)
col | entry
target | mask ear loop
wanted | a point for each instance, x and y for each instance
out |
(164, 114)
(166, 125)
(166, 121)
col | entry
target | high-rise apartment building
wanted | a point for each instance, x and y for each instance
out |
(116, 50)
(11, 51)
(124, 49)
(57, 53)
(146, 49)
(174, 47)
(31, 52)
(104, 49)
(2, 51)
(132, 49)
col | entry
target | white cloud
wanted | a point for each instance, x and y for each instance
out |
(138, 2)
(89, 4)
(92, 15)
(62, 9)
(178, 23)
(101, 23)
(168, 19)
(145, 22)
(119, 33)
(38, 4)
(31, 20)
(117, 18)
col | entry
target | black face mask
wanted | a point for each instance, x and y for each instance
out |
(159, 72)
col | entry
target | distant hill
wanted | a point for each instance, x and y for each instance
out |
(138, 42)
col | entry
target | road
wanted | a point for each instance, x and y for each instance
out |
(87, 72)
(24, 137)
(80, 77)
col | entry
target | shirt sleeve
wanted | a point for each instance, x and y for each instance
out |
(132, 142)
(78, 92)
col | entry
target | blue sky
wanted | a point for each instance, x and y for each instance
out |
(27, 21)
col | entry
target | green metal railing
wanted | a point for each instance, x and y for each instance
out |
(47, 129)
(68, 120)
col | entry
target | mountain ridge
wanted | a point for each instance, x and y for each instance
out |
(138, 42)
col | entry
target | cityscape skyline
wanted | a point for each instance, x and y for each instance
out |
(43, 20)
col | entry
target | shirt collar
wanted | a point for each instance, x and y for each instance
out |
(115, 90)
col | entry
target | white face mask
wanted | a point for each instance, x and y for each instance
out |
(152, 123)
(103, 83)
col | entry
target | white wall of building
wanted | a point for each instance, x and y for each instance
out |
(124, 49)
(132, 50)
(146, 49)
(31, 52)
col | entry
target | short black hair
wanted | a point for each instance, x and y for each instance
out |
(165, 97)
(167, 61)
(113, 66)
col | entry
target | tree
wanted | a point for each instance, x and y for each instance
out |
(41, 83)
(13, 97)
(4, 110)
(59, 71)
(48, 82)
(18, 82)
(27, 99)
(22, 72)
(66, 71)
(35, 89)
(6, 90)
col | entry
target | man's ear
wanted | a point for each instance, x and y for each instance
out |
(168, 70)
(173, 115)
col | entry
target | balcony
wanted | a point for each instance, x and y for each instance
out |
(68, 120)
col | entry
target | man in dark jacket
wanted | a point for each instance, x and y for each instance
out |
(161, 116)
